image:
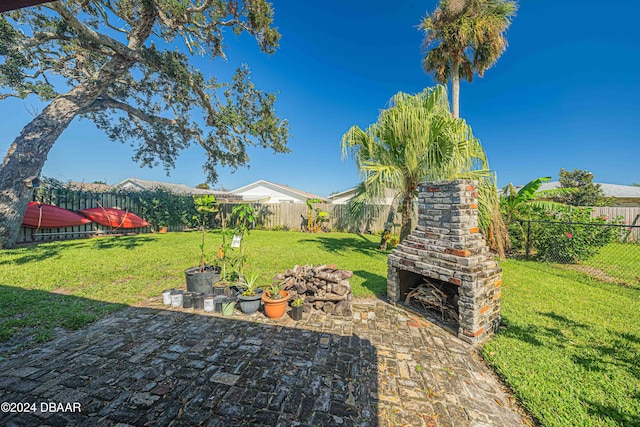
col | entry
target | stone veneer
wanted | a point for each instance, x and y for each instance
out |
(447, 246)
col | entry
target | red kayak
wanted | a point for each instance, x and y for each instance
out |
(42, 215)
(114, 218)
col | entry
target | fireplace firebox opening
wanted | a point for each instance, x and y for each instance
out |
(437, 299)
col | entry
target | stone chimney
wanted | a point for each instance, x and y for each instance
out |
(448, 250)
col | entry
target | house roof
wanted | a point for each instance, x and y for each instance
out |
(144, 184)
(90, 186)
(609, 190)
(388, 193)
(277, 186)
(7, 5)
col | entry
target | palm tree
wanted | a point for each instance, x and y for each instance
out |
(414, 140)
(464, 37)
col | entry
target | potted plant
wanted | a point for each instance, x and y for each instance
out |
(275, 301)
(251, 293)
(201, 278)
(296, 308)
(244, 218)
(228, 305)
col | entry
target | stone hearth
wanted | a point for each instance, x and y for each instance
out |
(447, 246)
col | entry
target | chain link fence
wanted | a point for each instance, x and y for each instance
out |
(609, 252)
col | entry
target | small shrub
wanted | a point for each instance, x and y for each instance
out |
(572, 236)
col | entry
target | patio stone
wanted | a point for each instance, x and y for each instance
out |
(151, 365)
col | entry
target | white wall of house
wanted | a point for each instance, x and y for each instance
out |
(344, 197)
(341, 200)
(270, 195)
(128, 185)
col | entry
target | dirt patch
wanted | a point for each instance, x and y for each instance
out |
(62, 291)
(595, 273)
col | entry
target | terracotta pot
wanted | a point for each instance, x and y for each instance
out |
(275, 308)
(163, 230)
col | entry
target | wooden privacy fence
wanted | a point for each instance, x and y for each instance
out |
(293, 216)
(282, 216)
(74, 201)
(628, 215)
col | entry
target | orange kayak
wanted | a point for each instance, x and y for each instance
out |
(114, 218)
(42, 215)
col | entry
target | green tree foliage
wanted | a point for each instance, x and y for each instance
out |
(203, 186)
(163, 208)
(464, 37)
(126, 66)
(417, 139)
(586, 193)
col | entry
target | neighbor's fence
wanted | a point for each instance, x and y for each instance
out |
(626, 214)
(74, 201)
(293, 216)
(606, 251)
(282, 216)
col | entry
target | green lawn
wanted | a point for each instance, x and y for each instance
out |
(620, 261)
(75, 282)
(571, 346)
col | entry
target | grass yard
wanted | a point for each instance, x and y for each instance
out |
(571, 347)
(620, 261)
(75, 282)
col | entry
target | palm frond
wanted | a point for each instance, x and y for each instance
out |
(417, 139)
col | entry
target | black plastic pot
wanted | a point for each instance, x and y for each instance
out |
(187, 300)
(219, 289)
(198, 301)
(217, 303)
(296, 312)
(202, 282)
(250, 304)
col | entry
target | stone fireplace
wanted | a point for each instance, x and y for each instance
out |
(448, 250)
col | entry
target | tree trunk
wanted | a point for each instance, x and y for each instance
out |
(407, 216)
(455, 88)
(388, 225)
(28, 152)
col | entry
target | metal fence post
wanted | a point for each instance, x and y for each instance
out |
(527, 243)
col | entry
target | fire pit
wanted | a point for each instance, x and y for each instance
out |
(445, 263)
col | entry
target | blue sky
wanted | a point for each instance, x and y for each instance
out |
(565, 94)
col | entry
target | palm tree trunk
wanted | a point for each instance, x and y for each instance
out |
(455, 88)
(407, 215)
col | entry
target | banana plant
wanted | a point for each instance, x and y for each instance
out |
(313, 225)
(514, 202)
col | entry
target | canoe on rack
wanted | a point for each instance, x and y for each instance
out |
(114, 218)
(42, 215)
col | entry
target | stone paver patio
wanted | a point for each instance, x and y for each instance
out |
(156, 366)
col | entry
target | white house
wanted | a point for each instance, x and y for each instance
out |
(269, 192)
(343, 197)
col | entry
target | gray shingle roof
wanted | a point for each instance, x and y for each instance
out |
(609, 190)
(145, 184)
